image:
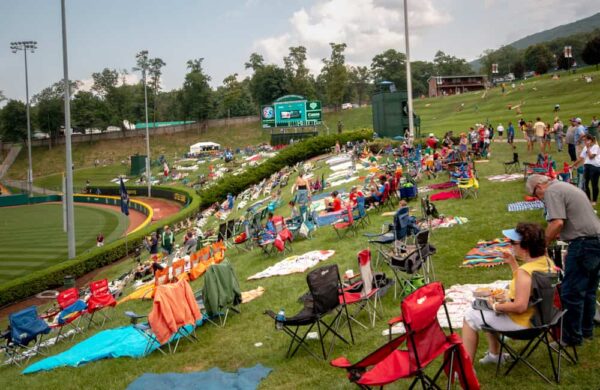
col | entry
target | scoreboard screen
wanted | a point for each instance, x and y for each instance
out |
(291, 113)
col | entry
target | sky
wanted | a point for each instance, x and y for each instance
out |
(108, 33)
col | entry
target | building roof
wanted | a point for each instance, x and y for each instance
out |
(459, 76)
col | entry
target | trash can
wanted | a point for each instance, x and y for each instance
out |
(69, 281)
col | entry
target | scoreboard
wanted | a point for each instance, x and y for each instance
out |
(289, 111)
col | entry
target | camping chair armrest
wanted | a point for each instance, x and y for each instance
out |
(341, 362)
(395, 320)
(134, 317)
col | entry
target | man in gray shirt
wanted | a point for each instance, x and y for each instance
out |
(571, 217)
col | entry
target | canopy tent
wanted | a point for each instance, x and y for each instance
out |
(203, 147)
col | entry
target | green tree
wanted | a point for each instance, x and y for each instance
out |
(119, 99)
(50, 116)
(539, 58)
(518, 68)
(155, 71)
(297, 75)
(591, 52)
(447, 65)
(89, 111)
(421, 72)
(234, 98)
(255, 62)
(389, 66)
(196, 93)
(267, 84)
(13, 121)
(505, 57)
(335, 74)
(360, 79)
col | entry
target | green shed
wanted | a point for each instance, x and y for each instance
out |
(390, 114)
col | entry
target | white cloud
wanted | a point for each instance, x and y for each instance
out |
(368, 27)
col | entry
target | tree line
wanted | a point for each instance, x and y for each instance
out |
(112, 100)
(544, 57)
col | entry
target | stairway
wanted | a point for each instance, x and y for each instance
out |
(9, 160)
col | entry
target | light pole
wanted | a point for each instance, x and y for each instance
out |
(148, 172)
(68, 194)
(411, 124)
(31, 46)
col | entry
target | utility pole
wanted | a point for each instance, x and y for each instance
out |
(411, 123)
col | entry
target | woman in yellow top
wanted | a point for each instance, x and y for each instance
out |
(529, 246)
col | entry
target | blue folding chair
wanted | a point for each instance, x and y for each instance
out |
(24, 327)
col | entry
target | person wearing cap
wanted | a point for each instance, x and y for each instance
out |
(431, 141)
(168, 239)
(527, 243)
(571, 218)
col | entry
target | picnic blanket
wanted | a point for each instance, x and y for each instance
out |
(442, 222)
(213, 379)
(487, 253)
(526, 206)
(459, 298)
(506, 177)
(444, 195)
(110, 343)
(251, 295)
(441, 186)
(343, 181)
(294, 264)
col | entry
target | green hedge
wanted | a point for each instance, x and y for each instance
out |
(289, 156)
(53, 277)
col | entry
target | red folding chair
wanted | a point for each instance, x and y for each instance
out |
(343, 227)
(72, 308)
(425, 341)
(101, 299)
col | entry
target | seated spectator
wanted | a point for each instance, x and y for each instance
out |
(335, 203)
(431, 141)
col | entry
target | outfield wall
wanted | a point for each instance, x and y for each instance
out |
(169, 194)
(23, 199)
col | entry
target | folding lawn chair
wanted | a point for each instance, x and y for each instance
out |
(385, 199)
(468, 187)
(425, 341)
(100, 299)
(322, 299)
(25, 326)
(283, 233)
(362, 218)
(546, 326)
(72, 308)
(513, 166)
(173, 317)
(342, 227)
(412, 267)
(366, 292)
(178, 270)
(221, 293)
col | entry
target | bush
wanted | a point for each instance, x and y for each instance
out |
(289, 156)
(53, 277)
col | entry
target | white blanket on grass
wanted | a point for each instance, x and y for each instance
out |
(460, 299)
(294, 264)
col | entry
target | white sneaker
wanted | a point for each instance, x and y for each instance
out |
(490, 358)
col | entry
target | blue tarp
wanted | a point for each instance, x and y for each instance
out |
(111, 343)
(213, 379)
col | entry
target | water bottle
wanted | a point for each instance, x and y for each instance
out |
(279, 319)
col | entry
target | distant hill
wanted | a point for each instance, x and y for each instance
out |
(580, 26)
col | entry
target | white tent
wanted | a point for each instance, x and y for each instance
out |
(203, 147)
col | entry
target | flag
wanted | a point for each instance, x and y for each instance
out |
(124, 198)
(166, 168)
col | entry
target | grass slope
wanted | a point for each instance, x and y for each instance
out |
(32, 237)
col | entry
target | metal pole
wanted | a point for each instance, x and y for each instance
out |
(30, 171)
(411, 124)
(69, 160)
(148, 173)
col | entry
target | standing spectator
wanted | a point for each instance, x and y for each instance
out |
(338, 149)
(529, 135)
(580, 131)
(474, 137)
(100, 240)
(540, 131)
(168, 239)
(463, 146)
(590, 157)
(431, 141)
(558, 133)
(548, 138)
(571, 218)
(570, 140)
(595, 122)
(510, 133)
(340, 127)
(500, 129)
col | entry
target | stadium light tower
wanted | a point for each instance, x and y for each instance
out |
(26, 46)
(69, 159)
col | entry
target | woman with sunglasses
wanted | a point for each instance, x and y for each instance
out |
(528, 245)
(590, 157)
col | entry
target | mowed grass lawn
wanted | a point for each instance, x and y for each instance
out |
(32, 237)
(232, 347)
